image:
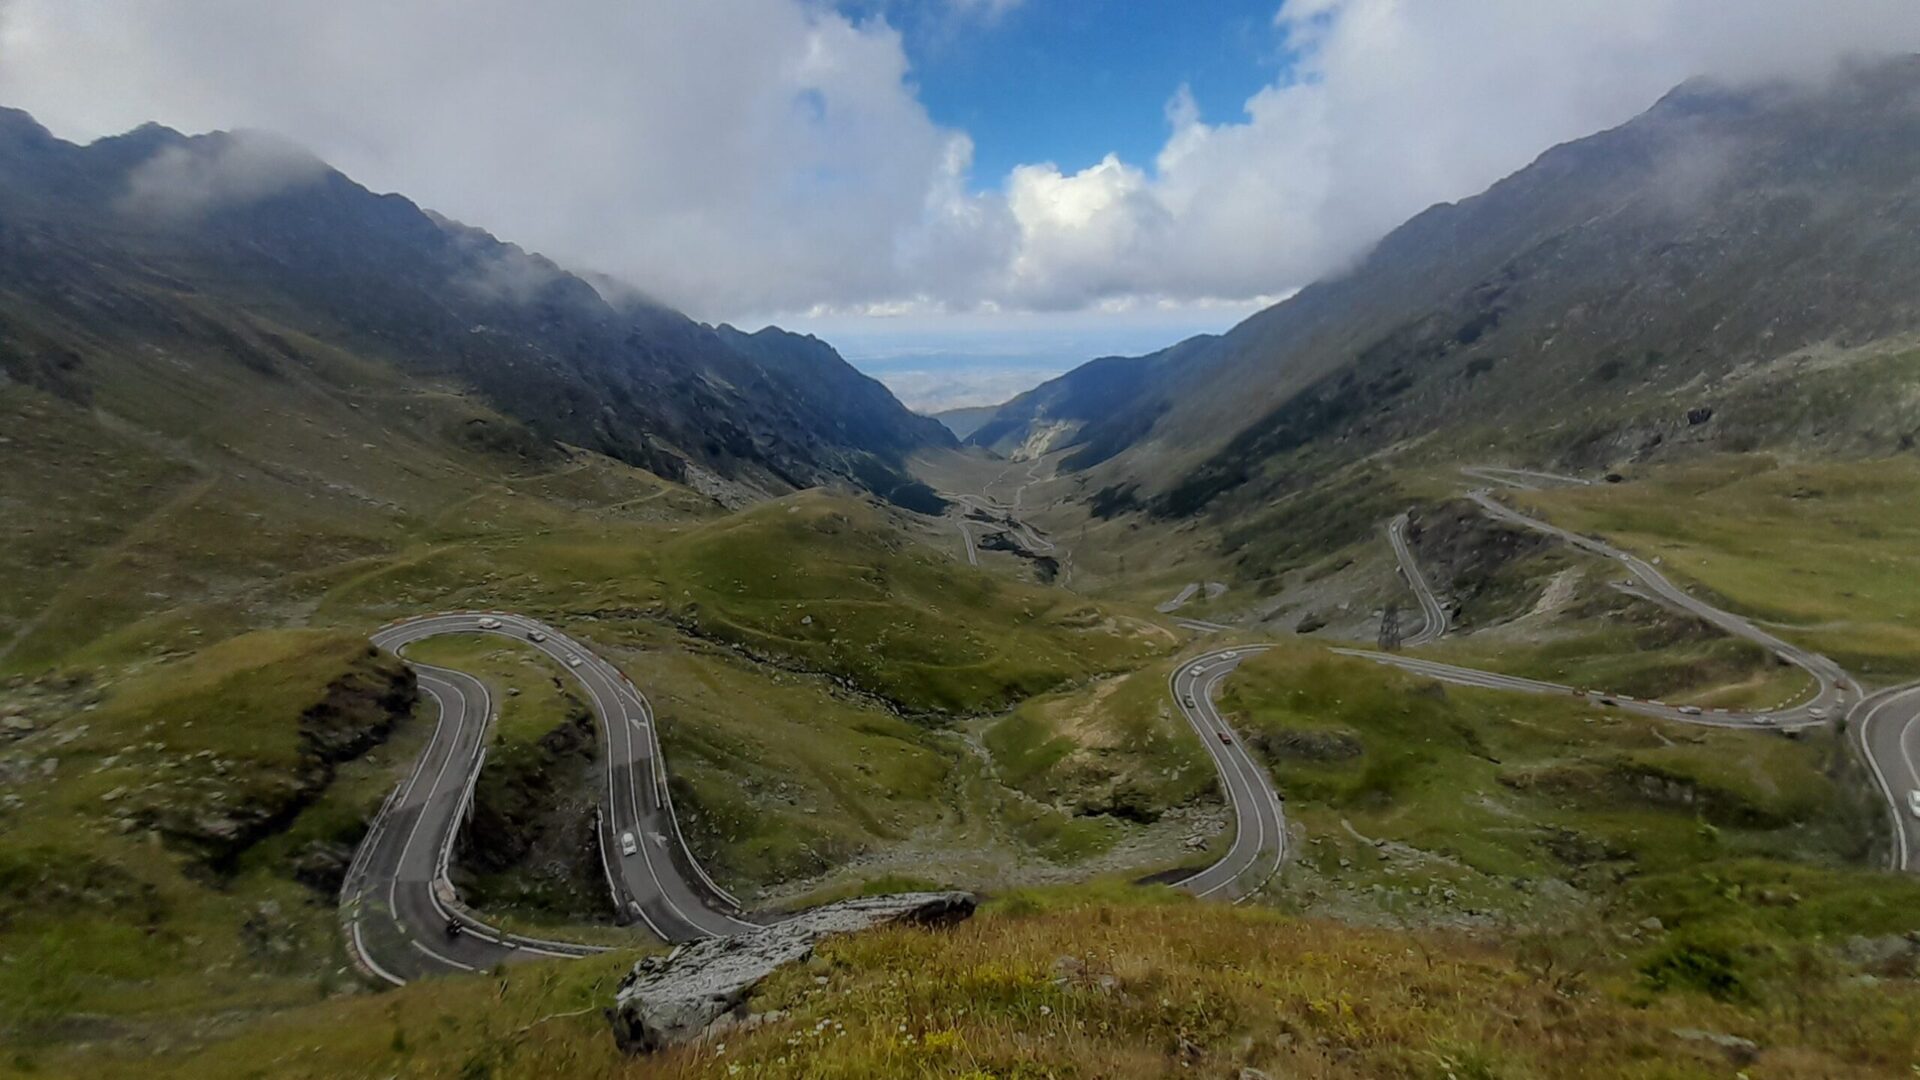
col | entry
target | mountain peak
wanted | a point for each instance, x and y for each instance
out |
(20, 132)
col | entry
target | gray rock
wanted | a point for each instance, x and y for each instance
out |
(1887, 954)
(675, 998)
(1739, 1051)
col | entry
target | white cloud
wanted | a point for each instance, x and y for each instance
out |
(246, 166)
(752, 156)
(726, 155)
(989, 10)
(1391, 107)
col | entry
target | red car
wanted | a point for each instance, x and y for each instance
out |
(1226, 736)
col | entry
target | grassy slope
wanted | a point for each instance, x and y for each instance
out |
(815, 581)
(312, 488)
(1604, 640)
(1116, 983)
(1830, 552)
(782, 776)
(1422, 804)
(1101, 758)
(101, 916)
(822, 580)
(339, 496)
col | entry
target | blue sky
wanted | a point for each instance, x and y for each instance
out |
(1070, 82)
(1067, 83)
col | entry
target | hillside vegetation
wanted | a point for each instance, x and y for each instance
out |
(166, 833)
(1125, 983)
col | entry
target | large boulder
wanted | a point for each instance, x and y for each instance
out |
(670, 999)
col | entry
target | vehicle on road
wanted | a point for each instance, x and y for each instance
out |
(1194, 670)
(1817, 713)
(627, 844)
(1608, 701)
(489, 623)
(454, 929)
(1913, 802)
(1689, 710)
(573, 661)
(536, 635)
(1226, 736)
(1190, 703)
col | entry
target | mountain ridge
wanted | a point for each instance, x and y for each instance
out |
(1721, 231)
(156, 221)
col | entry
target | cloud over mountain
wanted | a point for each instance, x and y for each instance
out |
(749, 156)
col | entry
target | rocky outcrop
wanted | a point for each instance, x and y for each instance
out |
(675, 998)
(233, 807)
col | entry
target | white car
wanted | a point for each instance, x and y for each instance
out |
(1913, 802)
(1817, 713)
(1194, 670)
(536, 635)
(627, 844)
(1689, 710)
(489, 623)
(573, 661)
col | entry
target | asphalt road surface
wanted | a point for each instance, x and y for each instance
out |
(1524, 479)
(1887, 728)
(1885, 725)
(966, 534)
(397, 901)
(1179, 599)
(1792, 718)
(1431, 609)
(1028, 536)
(1836, 688)
(1260, 822)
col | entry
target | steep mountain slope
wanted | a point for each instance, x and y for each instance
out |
(965, 420)
(153, 235)
(1682, 280)
(1089, 399)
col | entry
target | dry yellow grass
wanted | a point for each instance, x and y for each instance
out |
(1120, 983)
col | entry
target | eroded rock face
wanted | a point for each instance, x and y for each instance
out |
(671, 999)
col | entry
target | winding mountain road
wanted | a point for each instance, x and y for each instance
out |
(1434, 612)
(1835, 686)
(1884, 725)
(398, 904)
(1260, 822)
(1785, 719)
(1886, 729)
(397, 901)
